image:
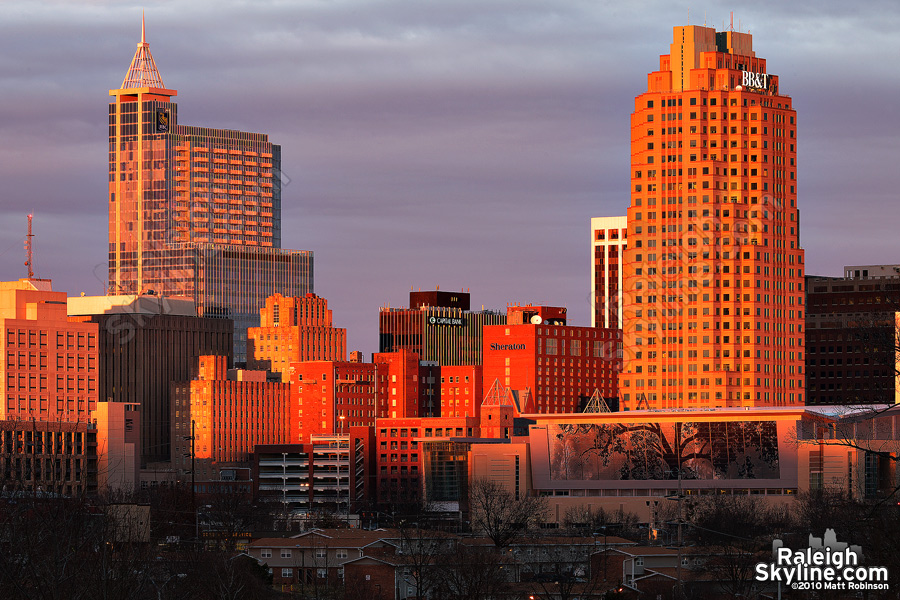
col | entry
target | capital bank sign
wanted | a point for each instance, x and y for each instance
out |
(456, 321)
(755, 80)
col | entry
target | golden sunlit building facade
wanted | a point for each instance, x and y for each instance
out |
(49, 369)
(713, 271)
(294, 330)
(194, 211)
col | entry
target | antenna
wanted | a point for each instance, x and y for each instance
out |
(731, 25)
(28, 247)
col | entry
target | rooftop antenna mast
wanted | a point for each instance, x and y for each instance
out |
(28, 247)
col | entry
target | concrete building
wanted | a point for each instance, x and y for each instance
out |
(146, 343)
(194, 211)
(713, 307)
(49, 370)
(118, 426)
(55, 457)
(294, 330)
(609, 236)
(330, 473)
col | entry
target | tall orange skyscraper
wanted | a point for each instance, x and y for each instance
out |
(713, 307)
(194, 211)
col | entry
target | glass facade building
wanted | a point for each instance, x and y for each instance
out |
(194, 211)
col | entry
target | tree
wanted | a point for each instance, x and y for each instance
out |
(500, 515)
(422, 551)
(474, 573)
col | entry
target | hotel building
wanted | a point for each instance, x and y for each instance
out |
(194, 211)
(714, 303)
(560, 365)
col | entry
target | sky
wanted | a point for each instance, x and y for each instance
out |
(457, 144)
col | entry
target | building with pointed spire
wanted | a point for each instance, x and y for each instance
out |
(194, 211)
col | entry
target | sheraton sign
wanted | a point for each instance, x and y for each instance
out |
(507, 346)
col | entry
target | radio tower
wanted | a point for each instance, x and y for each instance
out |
(28, 244)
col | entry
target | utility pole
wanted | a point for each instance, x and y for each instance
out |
(194, 487)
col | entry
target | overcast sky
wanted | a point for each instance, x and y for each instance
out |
(453, 143)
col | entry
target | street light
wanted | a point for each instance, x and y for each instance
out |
(341, 418)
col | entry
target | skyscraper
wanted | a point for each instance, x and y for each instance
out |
(194, 211)
(713, 270)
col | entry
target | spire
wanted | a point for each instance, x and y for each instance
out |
(143, 72)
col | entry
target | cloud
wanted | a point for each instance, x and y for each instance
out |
(455, 143)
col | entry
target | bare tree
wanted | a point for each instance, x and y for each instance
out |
(423, 550)
(500, 515)
(475, 573)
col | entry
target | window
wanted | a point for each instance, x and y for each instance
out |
(288, 573)
(285, 553)
(265, 553)
(341, 554)
(321, 552)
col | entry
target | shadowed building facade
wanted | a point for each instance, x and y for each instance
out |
(146, 343)
(194, 211)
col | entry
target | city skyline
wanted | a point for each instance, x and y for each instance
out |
(429, 148)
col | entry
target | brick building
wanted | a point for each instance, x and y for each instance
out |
(294, 330)
(49, 369)
(232, 412)
(560, 365)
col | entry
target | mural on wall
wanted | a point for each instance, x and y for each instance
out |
(656, 451)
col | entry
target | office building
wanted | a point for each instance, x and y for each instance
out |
(294, 330)
(194, 211)
(851, 336)
(145, 343)
(559, 365)
(608, 241)
(438, 327)
(49, 367)
(56, 457)
(227, 413)
(713, 307)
